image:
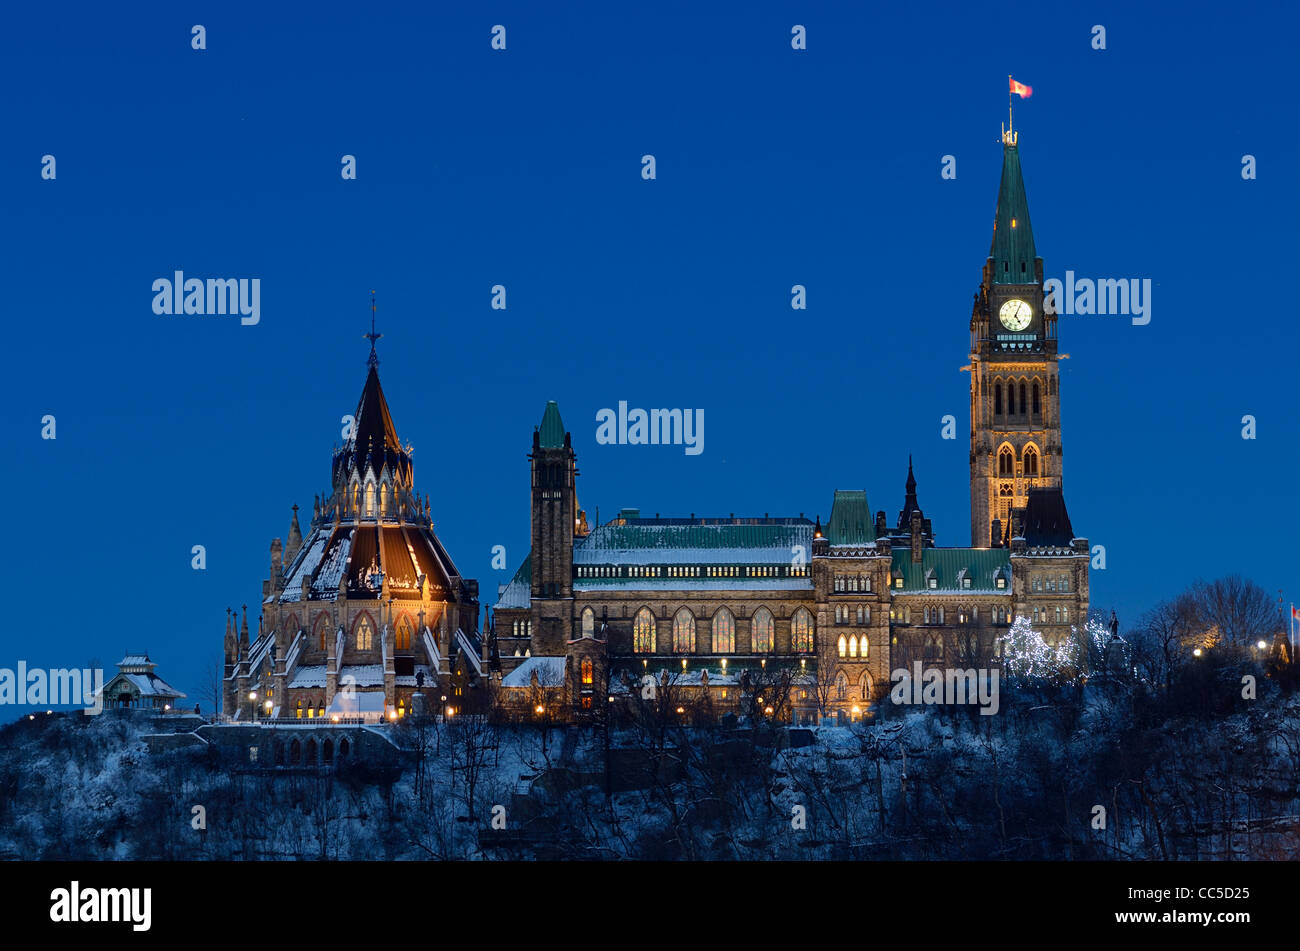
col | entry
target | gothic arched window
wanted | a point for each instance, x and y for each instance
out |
(841, 686)
(364, 634)
(763, 631)
(801, 631)
(1024, 405)
(588, 675)
(843, 646)
(1006, 461)
(588, 622)
(1038, 407)
(724, 632)
(1011, 399)
(643, 632)
(997, 399)
(683, 632)
(403, 639)
(1031, 461)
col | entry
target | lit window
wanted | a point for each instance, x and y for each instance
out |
(684, 632)
(364, 634)
(724, 632)
(843, 646)
(763, 628)
(588, 622)
(853, 646)
(801, 631)
(588, 674)
(643, 632)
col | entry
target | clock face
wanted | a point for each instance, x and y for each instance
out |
(1015, 315)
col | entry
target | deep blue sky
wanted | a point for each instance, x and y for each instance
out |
(477, 167)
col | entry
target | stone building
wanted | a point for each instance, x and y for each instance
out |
(368, 606)
(780, 613)
(718, 605)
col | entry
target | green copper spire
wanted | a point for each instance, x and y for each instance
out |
(552, 428)
(1012, 249)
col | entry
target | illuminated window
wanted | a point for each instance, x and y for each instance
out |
(724, 632)
(801, 631)
(1006, 461)
(643, 632)
(322, 630)
(364, 634)
(403, 639)
(588, 622)
(683, 632)
(853, 645)
(763, 628)
(1031, 461)
(843, 646)
(588, 675)
(298, 710)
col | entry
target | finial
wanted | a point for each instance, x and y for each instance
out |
(372, 336)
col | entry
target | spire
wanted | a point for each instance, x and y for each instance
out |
(910, 504)
(1012, 250)
(295, 534)
(373, 361)
(551, 430)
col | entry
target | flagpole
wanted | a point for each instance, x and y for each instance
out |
(1010, 126)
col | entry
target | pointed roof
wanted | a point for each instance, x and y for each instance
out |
(374, 424)
(1012, 249)
(850, 522)
(551, 430)
(1047, 523)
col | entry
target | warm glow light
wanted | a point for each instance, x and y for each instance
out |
(681, 709)
(1197, 652)
(268, 706)
(335, 718)
(856, 710)
(540, 710)
(252, 695)
(392, 714)
(724, 663)
(1261, 645)
(683, 663)
(768, 711)
(451, 711)
(167, 706)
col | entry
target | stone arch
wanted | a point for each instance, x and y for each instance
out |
(309, 753)
(327, 751)
(295, 752)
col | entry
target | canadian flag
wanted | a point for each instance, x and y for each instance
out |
(1020, 89)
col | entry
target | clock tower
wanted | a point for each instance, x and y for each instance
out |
(1015, 431)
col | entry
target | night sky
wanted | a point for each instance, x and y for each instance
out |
(522, 168)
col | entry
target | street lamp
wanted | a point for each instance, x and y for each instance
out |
(1261, 645)
(1196, 652)
(252, 703)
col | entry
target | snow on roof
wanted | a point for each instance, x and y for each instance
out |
(692, 584)
(309, 677)
(364, 675)
(326, 585)
(550, 673)
(305, 566)
(148, 685)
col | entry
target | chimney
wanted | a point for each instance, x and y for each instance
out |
(997, 533)
(917, 540)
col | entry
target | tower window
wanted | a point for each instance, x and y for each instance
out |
(1038, 410)
(1006, 461)
(1011, 399)
(1031, 461)
(1024, 405)
(997, 400)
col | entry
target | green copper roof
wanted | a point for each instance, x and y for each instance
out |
(981, 564)
(1012, 249)
(850, 522)
(552, 428)
(682, 542)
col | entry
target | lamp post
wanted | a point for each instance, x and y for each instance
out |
(252, 704)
